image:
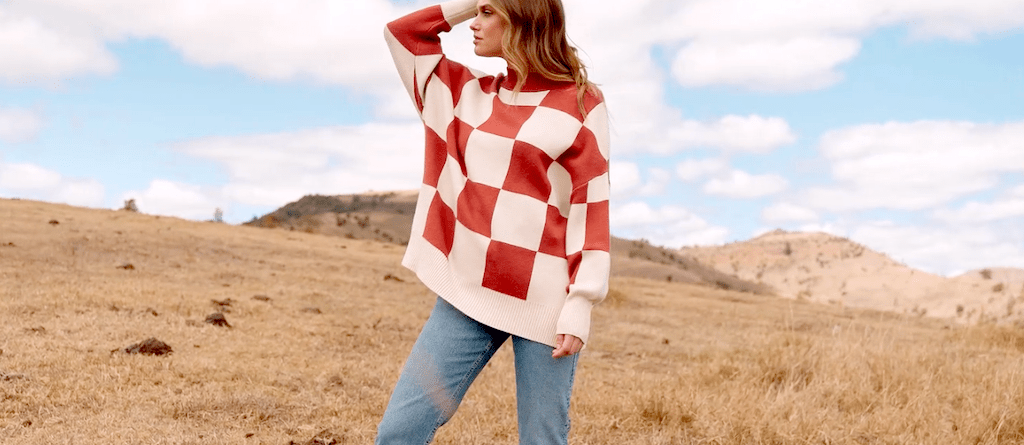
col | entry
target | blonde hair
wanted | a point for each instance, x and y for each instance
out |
(535, 42)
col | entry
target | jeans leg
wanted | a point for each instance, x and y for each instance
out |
(450, 352)
(543, 389)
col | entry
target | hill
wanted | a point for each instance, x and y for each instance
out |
(387, 217)
(824, 268)
(320, 326)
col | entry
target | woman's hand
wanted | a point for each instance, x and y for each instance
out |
(567, 345)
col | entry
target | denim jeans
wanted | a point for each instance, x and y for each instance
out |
(450, 352)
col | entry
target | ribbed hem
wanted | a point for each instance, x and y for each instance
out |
(532, 321)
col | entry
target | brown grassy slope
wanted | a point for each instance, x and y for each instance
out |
(828, 269)
(1004, 278)
(668, 363)
(387, 217)
(384, 216)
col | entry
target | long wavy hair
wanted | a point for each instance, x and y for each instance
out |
(535, 43)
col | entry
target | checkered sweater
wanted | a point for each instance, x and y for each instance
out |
(511, 225)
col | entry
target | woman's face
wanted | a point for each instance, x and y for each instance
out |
(488, 30)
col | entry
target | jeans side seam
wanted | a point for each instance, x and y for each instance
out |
(568, 397)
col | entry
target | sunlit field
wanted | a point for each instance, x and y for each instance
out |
(320, 326)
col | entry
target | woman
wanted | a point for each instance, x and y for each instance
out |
(511, 226)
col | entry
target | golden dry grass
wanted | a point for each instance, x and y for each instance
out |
(668, 363)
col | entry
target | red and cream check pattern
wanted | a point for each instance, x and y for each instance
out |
(511, 226)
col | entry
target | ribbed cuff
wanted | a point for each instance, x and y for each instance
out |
(458, 11)
(575, 318)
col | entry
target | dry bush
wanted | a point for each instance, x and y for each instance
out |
(130, 206)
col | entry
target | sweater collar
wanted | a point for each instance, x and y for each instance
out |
(534, 82)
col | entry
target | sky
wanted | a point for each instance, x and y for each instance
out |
(899, 125)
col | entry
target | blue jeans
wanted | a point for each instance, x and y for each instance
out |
(450, 352)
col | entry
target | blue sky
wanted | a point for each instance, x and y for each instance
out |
(900, 127)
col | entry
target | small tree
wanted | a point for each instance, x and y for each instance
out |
(129, 206)
(218, 215)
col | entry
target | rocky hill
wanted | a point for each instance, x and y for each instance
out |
(387, 217)
(823, 268)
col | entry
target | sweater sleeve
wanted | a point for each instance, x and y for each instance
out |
(587, 233)
(415, 43)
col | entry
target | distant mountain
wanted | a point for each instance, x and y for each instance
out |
(387, 217)
(828, 269)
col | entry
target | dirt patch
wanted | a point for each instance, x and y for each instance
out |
(218, 319)
(223, 305)
(5, 377)
(150, 346)
(324, 437)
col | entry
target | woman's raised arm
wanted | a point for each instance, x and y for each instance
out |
(415, 42)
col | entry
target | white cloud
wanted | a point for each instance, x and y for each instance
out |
(786, 44)
(798, 64)
(742, 185)
(959, 20)
(748, 134)
(693, 170)
(19, 125)
(31, 181)
(625, 178)
(917, 165)
(946, 250)
(169, 198)
(787, 212)
(28, 177)
(830, 228)
(627, 181)
(799, 44)
(271, 169)
(325, 41)
(33, 53)
(983, 212)
(669, 133)
(670, 226)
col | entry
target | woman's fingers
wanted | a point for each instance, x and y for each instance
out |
(567, 345)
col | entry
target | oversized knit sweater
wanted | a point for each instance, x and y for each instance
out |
(511, 224)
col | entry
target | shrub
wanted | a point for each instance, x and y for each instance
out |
(130, 206)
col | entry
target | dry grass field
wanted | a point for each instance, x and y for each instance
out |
(320, 326)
